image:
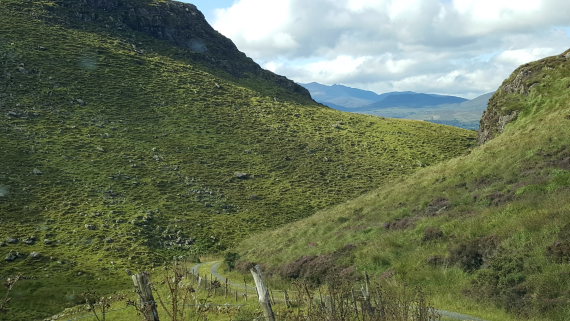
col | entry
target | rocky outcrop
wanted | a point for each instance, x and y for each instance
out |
(183, 25)
(508, 102)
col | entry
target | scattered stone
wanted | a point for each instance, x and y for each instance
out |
(389, 274)
(4, 191)
(2, 244)
(11, 257)
(90, 227)
(432, 234)
(240, 175)
(400, 223)
(36, 171)
(12, 240)
(13, 114)
(48, 242)
(109, 240)
(30, 240)
(80, 273)
(81, 102)
(35, 255)
(338, 125)
(436, 260)
(438, 206)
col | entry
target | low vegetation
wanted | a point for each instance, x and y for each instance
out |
(121, 151)
(485, 233)
(184, 294)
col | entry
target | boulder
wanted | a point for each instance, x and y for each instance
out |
(30, 240)
(90, 227)
(241, 175)
(4, 191)
(507, 104)
(12, 240)
(11, 257)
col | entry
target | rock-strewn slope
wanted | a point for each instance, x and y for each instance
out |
(183, 25)
(509, 101)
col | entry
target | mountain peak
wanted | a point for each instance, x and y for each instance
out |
(183, 25)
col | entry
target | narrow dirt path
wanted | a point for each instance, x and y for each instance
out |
(215, 266)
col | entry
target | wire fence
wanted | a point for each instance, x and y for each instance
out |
(220, 286)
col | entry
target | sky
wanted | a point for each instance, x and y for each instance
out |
(454, 47)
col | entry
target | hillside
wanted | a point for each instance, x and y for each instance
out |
(123, 148)
(486, 233)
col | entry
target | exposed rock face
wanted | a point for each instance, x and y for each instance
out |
(181, 24)
(506, 105)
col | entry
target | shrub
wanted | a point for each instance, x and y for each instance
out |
(504, 280)
(473, 254)
(432, 233)
(230, 259)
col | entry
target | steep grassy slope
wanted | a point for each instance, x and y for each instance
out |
(482, 232)
(120, 150)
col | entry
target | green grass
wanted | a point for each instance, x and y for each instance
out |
(125, 159)
(506, 202)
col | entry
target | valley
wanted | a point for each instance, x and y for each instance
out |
(134, 137)
(441, 109)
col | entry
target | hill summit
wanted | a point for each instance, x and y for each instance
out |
(182, 25)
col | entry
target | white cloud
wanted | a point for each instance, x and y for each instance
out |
(336, 69)
(258, 23)
(521, 56)
(462, 47)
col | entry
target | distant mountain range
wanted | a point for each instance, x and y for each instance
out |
(449, 110)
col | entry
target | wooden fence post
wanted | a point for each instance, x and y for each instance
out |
(263, 293)
(245, 288)
(226, 290)
(287, 302)
(143, 289)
